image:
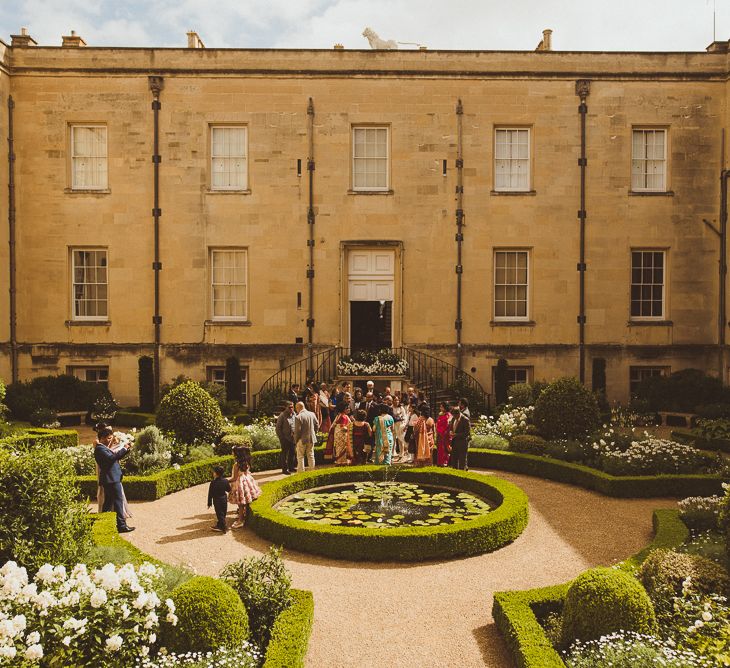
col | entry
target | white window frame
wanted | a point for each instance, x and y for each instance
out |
(76, 158)
(88, 318)
(511, 318)
(651, 371)
(212, 254)
(640, 318)
(641, 164)
(81, 372)
(512, 160)
(232, 157)
(355, 158)
(511, 369)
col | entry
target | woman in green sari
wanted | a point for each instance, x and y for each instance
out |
(383, 424)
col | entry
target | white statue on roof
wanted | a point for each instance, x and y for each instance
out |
(376, 42)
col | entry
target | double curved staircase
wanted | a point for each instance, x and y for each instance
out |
(437, 379)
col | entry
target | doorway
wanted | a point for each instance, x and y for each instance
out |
(371, 325)
(370, 293)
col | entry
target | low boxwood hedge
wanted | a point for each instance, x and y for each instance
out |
(157, 485)
(514, 612)
(36, 436)
(497, 528)
(677, 486)
(287, 647)
(132, 419)
(689, 437)
(290, 635)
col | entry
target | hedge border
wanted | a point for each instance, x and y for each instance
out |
(157, 485)
(486, 534)
(712, 444)
(674, 486)
(37, 436)
(133, 419)
(290, 634)
(515, 615)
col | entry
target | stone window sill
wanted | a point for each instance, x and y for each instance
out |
(512, 323)
(651, 193)
(649, 323)
(513, 193)
(82, 191)
(210, 191)
(228, 323)
(88, 323)
(370, 192)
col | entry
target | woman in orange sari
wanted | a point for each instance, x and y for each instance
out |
(424, 432)
(342, 441)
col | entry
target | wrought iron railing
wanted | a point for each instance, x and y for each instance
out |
(437, 379)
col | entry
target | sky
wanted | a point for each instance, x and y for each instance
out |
(578, 25)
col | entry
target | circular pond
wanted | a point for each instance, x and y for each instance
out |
(384, 505)
(351, 513)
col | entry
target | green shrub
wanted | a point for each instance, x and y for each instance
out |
(190, 413)
(713, 429)
(42, 520)
(569, 451)
(37, 437)
(226, 444)
(23, 399)
(146, 378)
(210, 615)
(151, 452)
(104, 408)
(133, 419)
(287, 647)
(60, 393)
(566, 409)
(681, 391)
(603, 600)
(263, 435)
(527, 443)
(264, 586)
(520, 395)
(489, 442)
(664, 571)
(43, 417)
(270, 401)
(713, 411)
(197, 453)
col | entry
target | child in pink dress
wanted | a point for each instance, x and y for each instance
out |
(244, 488)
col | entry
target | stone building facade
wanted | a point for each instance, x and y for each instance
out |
(416, 156)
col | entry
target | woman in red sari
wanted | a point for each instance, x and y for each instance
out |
(443, 434)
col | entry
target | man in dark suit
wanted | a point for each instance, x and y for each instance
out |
(110, 476)
(460, 436)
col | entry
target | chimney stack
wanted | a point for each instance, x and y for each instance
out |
(194, 41)
(546, 43)
(22, 40)
(338, 47)
(72, 40)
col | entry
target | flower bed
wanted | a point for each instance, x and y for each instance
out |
(368, 363)
(485, 534)
(677, 486)
(515, 615)
(287, 647)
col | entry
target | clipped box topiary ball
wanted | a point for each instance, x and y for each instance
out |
(603, 600)
(566, 409)
(190, 413)
(210, 615)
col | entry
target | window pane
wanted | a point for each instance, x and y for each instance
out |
(228, 283)
(512, 159)
(228, 158)
(647, 284)
(510, 284)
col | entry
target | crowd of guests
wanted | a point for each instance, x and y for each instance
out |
(368, 426)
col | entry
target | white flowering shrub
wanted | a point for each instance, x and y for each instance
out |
(366, 363)
(263, 434)
(701, 512)
(245, 656)
(82, 458)
(511, 422)
(104, 617)
(625, 649)
(650, 456)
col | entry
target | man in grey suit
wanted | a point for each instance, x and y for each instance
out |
(305, 436)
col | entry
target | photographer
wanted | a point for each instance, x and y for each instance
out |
(110, 474)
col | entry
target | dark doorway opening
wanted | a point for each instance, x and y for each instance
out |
(371, 325)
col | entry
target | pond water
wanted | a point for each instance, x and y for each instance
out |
(384, 505)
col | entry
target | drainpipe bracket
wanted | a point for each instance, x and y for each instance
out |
(582, 214)
(310, 273)
(310, 322)
(582, 162)
(156, 319)
(157, 266)
(457, 324)
(459, 163)
(310, 242)
(156, 105)
(581, 266)
(156, 212)
(581, 320)
(459, 237)
(459, 269)
(157, 159)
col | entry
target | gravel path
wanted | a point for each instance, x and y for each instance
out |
(425, 615)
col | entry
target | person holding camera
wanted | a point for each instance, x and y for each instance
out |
(110, 474)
